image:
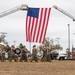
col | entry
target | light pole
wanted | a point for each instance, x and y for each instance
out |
(69, 36)
(73, 39)
(57, 39)
(3, 34)
(14, 42)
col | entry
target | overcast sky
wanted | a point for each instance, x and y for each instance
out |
(14, 24)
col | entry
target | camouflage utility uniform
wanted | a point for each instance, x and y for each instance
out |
(13, 55)
(34, 54)
(44, 55)
(23, 54)
(68, 54)
(48, 55)
(2, 55)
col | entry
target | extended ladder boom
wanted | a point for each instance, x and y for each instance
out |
(64, 12)
(10, 11)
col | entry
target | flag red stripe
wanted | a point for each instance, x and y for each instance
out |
(32, 28)
(47, 24)
(35, 30)
(26, 29)
(43, 25)
(39, 24)
(29, 29)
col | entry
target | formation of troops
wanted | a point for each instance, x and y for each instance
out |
(18, 54)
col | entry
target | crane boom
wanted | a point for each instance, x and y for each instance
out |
(15, 9)
(64, 12)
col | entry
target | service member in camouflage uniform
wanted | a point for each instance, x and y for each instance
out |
(68, 54)
(44, 55)
(12, 54)
(23, 54)
(34, 54)
(3, 56)
(73, 56)
(48, 54)
(2, 53)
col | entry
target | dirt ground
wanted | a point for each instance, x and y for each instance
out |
(39, 68)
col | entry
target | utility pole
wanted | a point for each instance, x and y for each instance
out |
(73, 39)
(69, 36)
(14, 42)
(3, 33)
(57, 39)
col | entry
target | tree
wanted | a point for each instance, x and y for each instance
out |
(2, 39)
(7, 48)
(50, 42)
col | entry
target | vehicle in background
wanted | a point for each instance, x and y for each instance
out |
(29, 54)
(62, 56)
(6, 56)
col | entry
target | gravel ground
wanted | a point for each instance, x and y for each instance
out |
(39, 68)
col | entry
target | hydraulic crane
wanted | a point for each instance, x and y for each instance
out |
(25, 7)
(64, 12)
(15, 9)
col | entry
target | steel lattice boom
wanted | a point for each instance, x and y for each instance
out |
(15, 9)
(64, 12)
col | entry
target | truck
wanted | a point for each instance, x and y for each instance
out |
(62, 55)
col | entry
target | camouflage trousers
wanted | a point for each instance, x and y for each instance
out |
(73, 56)
(3, 57)
(23, 57)
(13, 57)
(34, 57)
(46, 57)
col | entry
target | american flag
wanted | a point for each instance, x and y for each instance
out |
(36, 24)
